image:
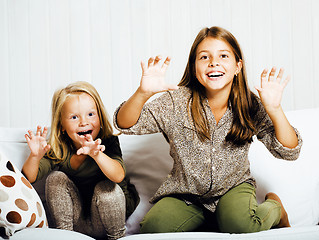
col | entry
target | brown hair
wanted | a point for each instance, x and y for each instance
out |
(61, 145)
(242, 100)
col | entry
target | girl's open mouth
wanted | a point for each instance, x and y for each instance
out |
(85, 132)
(215, 75)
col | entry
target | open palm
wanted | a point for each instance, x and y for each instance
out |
(37, 143)
(271, 89)
(153, 76)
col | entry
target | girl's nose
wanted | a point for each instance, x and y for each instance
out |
(83, 122)
(213, 63)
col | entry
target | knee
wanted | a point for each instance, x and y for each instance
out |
(108, 192)
(56, 178)
(235, 210)
(234, 221)
(169, 215)
(154, 222)
(56, 184)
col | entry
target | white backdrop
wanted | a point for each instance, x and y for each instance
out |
(45, 44)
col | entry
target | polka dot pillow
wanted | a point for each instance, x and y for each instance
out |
(20, 205)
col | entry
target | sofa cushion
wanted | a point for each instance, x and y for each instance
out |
(20, 205)
(295, 182)
(147, 162)
(47, 234)
(298, 233)
(14, 145)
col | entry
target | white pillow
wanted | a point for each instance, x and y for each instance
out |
(147, 162)
(295, 182)
(20, 205)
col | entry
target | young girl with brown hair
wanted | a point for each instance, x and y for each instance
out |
(209, 121)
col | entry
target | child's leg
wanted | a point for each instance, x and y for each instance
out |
(108, 211)
(238, 211)
(171, 214)
(63, 200)
(284, 221)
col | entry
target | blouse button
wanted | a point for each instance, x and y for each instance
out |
(213, 168)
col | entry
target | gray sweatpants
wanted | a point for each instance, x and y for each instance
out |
(107, 218)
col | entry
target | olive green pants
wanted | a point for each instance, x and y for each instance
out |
(237, 212)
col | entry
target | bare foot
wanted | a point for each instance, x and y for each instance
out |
(284, 221)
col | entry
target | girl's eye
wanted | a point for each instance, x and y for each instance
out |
(91, 114)
(74, 117)
(204, 57)
(224, 56)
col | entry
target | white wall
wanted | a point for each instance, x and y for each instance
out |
(45, 44)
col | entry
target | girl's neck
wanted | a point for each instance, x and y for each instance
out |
(218, 104)
(218, 100)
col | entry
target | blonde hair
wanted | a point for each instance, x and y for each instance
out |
(243, 101)
(61, 144)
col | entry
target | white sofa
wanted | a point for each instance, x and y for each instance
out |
(148, 163)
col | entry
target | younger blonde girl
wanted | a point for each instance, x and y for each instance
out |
(88, 191)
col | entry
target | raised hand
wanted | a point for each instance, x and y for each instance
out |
(37, 143)
(153, 76)
(89, 146)
(271, 89)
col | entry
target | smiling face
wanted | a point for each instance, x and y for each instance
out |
(80, 117)
(216, 65)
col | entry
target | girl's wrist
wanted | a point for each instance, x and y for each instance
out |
(274, 110)
(276, 115)
(143, 95)
(94, 154)
(35, 158)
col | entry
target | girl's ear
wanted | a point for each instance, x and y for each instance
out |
(239, 66)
